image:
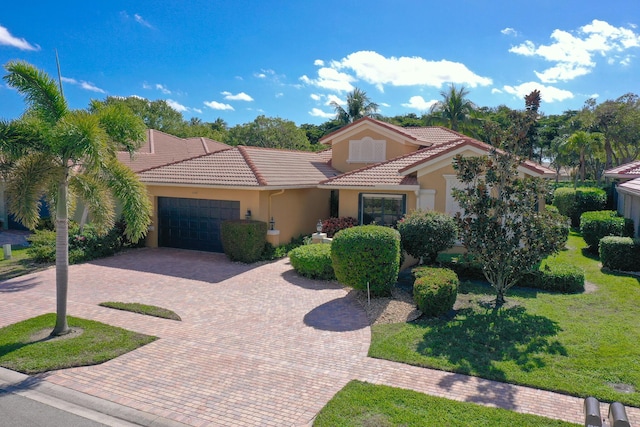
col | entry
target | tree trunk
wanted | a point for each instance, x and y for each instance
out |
(62, 259)
(500, 297)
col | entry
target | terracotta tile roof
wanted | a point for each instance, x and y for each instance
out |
(326, 155)
(245, 167)
(628, 170)
(161, 148)
(632, 186)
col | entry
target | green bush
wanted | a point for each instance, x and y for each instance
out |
(243, 240)
(555, 277)
(313, 261)
(424, 234)
(435, 290)
(464, 266)
(620, 253)
(574, 202)
(367, 254)
(598, 224)
(271, 252)
(332, 225)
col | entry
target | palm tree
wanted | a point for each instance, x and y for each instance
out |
(584, 143)
(358, 106)
(454, 110)
(71, 153)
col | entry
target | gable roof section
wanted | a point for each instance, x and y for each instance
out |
(161, 148)
(628, 170)
(242, 166)
(425, 136)
(400, 171)
(630, 187)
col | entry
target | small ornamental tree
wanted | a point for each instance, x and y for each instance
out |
(501, 227)
(425, 233)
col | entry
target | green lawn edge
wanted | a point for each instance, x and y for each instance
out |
(148, 310)
(95, 343)
(364, 404)
(583, 345)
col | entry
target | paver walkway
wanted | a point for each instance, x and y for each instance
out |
(257, 345)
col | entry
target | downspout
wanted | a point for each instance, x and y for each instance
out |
(270, 196)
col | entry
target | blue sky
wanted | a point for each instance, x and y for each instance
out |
(239, 59)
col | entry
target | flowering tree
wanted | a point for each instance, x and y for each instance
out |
(502, 227)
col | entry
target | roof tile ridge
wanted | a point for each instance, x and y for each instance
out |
(254, 168)
(439, 150)
(285, 150)
(184, 160)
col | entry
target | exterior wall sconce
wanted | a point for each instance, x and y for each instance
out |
(272, 224)
(319, 226)
(247, 216)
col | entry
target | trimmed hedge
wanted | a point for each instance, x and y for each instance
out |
(313, 261)
(555, 277)
(332, 225)
(598, 224)
(573, 202)
(435, 290)
(620, 253)
(367, 254)
(243, 240)
(424, 234)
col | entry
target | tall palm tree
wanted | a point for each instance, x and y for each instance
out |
(584, 143)
(358, 106)
(454, 109)
(72, 153)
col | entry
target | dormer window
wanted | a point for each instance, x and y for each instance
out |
(367, 150)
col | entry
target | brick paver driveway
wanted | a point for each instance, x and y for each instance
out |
(257, 345)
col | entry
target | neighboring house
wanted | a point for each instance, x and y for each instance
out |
(627, 178)
(378, 172)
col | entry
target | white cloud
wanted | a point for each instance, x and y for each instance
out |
(547, 93)
(496, 90)
(140, 20)
(418, 103)
(177, 106)
(279, 95)
(218, 105)
(146, 85)
(384, 104)
(315, 97)
(84, 85)
(574, 53)
(162, 89)
(8, 40)
(237, 97)
(378, 70)
(509, 32)
(594, 95)
(318, 63)
(333, 98)
(197, 110)
(316, 112)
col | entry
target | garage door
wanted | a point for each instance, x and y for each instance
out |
(193, 223)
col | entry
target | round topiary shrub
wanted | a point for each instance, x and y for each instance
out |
(435, 290)
(243, 240)
(620, 253)
(313, 261)
(598, 224)
(425, 233)
(574, 202)
(367, 254)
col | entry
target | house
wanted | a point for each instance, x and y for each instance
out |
(376, 171)
(627, 185)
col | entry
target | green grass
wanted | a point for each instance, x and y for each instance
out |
(96, 344)
(578, 344)
(368, 405)
(19, 264)
(149, 310)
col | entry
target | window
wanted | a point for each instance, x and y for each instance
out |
(367, 150)
(381, 209)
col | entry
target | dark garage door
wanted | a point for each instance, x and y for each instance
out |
(193, 223)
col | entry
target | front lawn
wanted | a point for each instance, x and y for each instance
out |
(25, 347)
(583, 344)
(364, 404)
(21, 263)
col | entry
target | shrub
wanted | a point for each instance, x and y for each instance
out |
(424, 234)
(620, 253)
(313, 261)
(598, 224)
(367, 254)
(574, 202)
(465, 267)
(271, 252)
(332, 225)
(435, 290)
(555, 277)
(243, 240)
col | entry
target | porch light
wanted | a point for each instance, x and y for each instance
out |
(247, 216)
(272, 224)
(319, 226)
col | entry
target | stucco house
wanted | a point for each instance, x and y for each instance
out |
(627, 177)
(376, 171)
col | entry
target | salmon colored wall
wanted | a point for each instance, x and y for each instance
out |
(340, 149)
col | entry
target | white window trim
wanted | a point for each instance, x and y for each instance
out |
(377, 150)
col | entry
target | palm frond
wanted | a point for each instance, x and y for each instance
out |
(80, 138)
(96, 196)
(41, 92)
(123, 127)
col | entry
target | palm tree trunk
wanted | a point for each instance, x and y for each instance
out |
(62, 259)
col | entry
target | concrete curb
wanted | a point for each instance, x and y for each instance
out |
(81, 404)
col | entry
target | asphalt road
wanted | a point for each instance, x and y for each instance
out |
(20, 411)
